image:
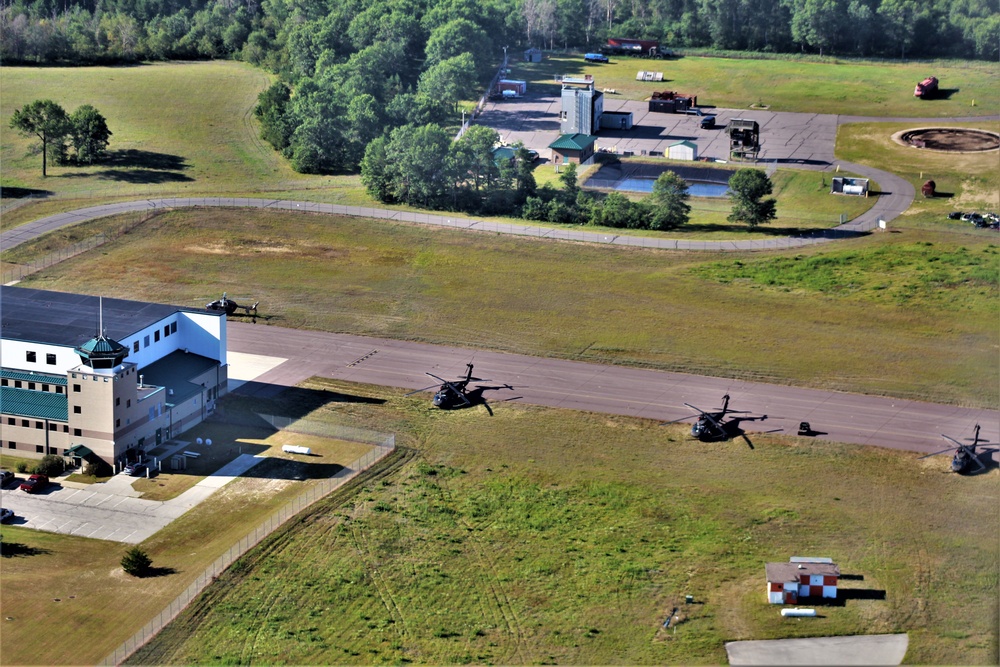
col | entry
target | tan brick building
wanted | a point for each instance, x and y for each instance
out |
(90, 378)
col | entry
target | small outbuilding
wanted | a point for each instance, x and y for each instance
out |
(683, 150)
(533, 55)
(616, 120)
(801, 577)
(576, 148)
(849, 186)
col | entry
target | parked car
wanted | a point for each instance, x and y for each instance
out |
(135, 469)
(595, 58)
(6, 515)
(707, 122)
(6, 477)
(35, 483)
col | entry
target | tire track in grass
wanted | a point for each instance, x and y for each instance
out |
(379, 583)
(488, 570)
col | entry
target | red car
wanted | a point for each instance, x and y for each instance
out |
(35, 483)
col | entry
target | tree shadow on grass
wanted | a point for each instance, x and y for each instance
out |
(142, 176)
(8, 192)
(16, 549)
(159, 572)
(132, 159)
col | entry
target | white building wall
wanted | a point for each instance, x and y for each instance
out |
(13, 355)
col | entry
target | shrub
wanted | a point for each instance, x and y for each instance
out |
(50, 466)
(21, 466)
(136, 562)
(97, 469)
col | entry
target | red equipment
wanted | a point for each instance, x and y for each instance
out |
(926, 88)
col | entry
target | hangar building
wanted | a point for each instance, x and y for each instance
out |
(91, 378)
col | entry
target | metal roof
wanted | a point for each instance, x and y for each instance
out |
(576, 141)
(62, 318)
(174, 372)
(34, 404)
(27, 376)
(792, 571)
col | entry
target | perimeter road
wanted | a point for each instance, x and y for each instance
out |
(840, 417)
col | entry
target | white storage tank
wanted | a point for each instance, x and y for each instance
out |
(798, 612)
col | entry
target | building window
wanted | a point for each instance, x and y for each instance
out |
(65, 428)
(53, 427)
(11, 445)
(39, 449)
(39, 425)
(45, 387)
(77, 410)
(156, 336)
(118, 400)
(31, 385)
(145, 341)
(59, 389)
(3, 382)
(118, 422)
(135, 346)
(17, 384)
(166, 331)
(11, 421)
(173, 327)
(50, 359)
(128, 403)
(78, 432)
(30, 356)
(76, 388)
(25, 423)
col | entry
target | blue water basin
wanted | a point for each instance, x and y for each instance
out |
(695, 188)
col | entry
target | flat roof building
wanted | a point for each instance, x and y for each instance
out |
(103, 379)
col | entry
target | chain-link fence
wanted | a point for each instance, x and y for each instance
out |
(14, 272)
(384, 445)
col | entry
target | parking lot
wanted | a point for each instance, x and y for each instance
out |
(110, 510)
(802, 139)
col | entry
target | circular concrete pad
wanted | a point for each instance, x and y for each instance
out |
(854, 650)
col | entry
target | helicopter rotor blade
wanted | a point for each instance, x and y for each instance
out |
(936, 453)
(975, 459)
(675, 421)
(433, 386)
(953, 440)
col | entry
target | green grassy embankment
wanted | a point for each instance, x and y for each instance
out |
(556, 537)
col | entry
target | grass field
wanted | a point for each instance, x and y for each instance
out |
(927, 331)
(853, 88)
(72, 590)
(542, 536)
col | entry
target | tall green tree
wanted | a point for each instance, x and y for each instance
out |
(46, 120)
(747, 189)
(669, 204)
(89, 134)
(570, 187)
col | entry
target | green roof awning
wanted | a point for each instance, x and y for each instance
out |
(577, 141)
(35, 404)
(78, 450)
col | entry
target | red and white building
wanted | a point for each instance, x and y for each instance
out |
(801, 577)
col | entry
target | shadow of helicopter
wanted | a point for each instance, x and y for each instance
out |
(456, 394)
(714, 427)
(966, 455)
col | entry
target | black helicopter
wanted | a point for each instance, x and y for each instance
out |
(713, 426)
(964, 454)
(230, 307)
(457, 394)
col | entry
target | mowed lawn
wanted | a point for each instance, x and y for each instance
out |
(66, 599)
(911, 314)
(177, 128)
(844, 87)
(541, 536)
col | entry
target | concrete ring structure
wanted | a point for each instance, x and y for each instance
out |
(945, 139)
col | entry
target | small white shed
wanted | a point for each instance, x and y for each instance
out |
(683, 150)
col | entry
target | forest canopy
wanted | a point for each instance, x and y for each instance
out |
(292, 37)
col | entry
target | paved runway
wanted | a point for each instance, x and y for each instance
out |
(853, 418)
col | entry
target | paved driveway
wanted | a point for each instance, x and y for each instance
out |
(111, 510)
(857, 650)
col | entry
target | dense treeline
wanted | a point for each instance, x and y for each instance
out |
(292, 36)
